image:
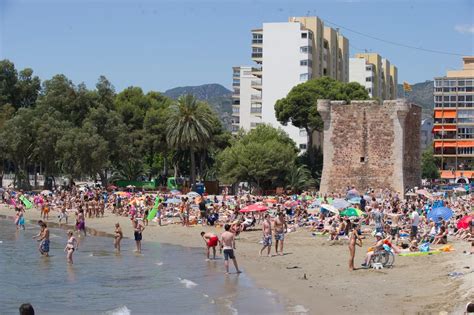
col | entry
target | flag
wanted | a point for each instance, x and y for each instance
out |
(406, 87)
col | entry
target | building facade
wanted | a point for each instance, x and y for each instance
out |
(426, 136)
(368, 144)
(379, 77)
(285, 55)
(454, 123)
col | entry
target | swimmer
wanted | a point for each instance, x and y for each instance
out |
(71, 246)
(43, 238)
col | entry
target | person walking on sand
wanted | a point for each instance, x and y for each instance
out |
(354, 239)
(211, 241)
(137, 233)
(228, 245)
(71, 246)
(280, 230)
(43, 238)
(267, 235)
(118, 237)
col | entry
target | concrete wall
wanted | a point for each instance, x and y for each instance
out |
(370, 145)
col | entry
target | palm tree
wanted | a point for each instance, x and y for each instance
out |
(189, 127)
(299, 178)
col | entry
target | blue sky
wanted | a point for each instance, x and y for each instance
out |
(162, 44)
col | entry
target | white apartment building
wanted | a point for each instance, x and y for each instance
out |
(363, 73)
(246, 101)
(287, 54)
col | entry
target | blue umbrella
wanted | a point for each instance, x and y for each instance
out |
(440, 212)
(340, 203)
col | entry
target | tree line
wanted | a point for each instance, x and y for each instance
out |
(59, 128)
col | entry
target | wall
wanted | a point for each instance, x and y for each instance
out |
(246, 91)
(370, 145)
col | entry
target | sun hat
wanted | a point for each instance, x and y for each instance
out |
(378, 234)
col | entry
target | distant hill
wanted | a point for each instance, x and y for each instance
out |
(421, 94)
(216, 95)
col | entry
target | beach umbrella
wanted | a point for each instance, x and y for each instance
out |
(130, 186)
(45, 192)
(270, 200)
(355, 200)
(173, 200)
(340, 203)
(425, 193)
(410, 194)
(316, 203)
(290, 203)
(440, 212)
(330, 208)
(464, 222)
(254, 208)
(352, 212)
(175, 192)
(352, 193)
(193, 194)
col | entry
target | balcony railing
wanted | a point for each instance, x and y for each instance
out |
(257, 55)
(256, 83)
(256, 97)
(256, 69)
(255, 110)
(257, 41)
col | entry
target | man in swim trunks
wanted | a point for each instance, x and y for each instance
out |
(211, 241)
(228, 245)
(267, 235)
(43, 238)
(280, 230)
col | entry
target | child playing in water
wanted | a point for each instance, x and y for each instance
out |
(71, 246)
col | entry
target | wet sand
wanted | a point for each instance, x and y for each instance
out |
(313, 274)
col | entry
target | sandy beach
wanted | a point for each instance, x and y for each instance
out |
(313, 274)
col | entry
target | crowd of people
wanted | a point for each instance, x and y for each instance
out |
(403, 224)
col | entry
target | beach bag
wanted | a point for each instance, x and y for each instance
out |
(425, 247)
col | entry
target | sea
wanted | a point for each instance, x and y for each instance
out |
(165, 279)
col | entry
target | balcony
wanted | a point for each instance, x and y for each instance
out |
(255, 110)
(257, 71)
(257, 41)
(256, 97)
(235, 109)
(236, 95)
(256, 84)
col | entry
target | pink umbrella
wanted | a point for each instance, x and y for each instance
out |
(254, 208)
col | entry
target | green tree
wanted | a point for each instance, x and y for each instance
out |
(189, 127)
(299, 106)
(299, 178)
(260, 157)
(8, 81)
(429, 165)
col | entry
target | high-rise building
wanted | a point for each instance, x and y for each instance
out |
(287, 54)
(246, 101)
(375, 73)
(454, 123)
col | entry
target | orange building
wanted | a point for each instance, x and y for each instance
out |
(454, 123)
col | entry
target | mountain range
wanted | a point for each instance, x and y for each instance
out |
(220, 98)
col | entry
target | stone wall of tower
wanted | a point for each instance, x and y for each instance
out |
(370, 145)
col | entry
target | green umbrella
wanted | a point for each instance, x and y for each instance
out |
(351, 212)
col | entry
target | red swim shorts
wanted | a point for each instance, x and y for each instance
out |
(213, 241)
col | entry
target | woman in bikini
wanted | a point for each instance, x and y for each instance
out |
(354, 239)
(118, 237)
(71, 246)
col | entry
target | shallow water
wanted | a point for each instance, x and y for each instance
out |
(165, 279)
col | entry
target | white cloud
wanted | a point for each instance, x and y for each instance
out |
(464, 28)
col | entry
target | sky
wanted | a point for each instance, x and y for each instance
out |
(159, 45)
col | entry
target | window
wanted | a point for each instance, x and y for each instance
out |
(304, 77)
(369, 90)
(368, 79)
(306, 49)
(362, 159)
(302, 146)
(303, 133)
(304, 35)
(310, 35)
(306, 62)
(368, 68)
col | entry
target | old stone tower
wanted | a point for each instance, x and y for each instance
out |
(366, 144)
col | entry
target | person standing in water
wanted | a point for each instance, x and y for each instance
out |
(211, 241)
(354, 239)
(81, 222)
(71, 246)
(138, 230)
(118, 237)
(228, 245)
(43, 238)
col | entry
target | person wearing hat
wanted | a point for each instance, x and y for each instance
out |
(377, 246)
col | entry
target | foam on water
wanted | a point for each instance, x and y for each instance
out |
(122, 310)
(187, 283)
(297, 309)
(159, 263)
(232, 309)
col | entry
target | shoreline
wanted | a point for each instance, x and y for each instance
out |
(313, 276)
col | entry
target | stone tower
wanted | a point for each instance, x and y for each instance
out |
(370, 145)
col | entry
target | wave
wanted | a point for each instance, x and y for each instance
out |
(188, 283)
(121, 310)
(297, 309)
